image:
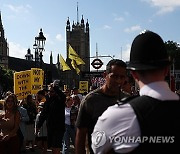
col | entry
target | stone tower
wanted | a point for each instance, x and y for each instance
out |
(77, 36)
(29, 56)
(4, 47)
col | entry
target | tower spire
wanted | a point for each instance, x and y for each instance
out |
(0, 20)
(77, 14)
(1, 27)
(51, 58)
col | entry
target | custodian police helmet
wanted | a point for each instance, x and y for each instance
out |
(148, 52)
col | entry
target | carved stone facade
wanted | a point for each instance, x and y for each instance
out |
(4, 47)
(78, 37)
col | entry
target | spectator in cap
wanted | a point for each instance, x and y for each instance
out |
(144, 121)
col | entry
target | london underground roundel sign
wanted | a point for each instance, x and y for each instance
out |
(97, 63)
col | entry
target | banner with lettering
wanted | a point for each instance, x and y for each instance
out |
(83, 86)
(28, 82)
(22, 84)
(37, 76)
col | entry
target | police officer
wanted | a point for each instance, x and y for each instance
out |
(145, 124)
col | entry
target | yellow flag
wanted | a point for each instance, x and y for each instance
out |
(65, 67)
(74, 65)
(74, 56)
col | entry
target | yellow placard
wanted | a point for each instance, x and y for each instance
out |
(28, 82)
(22, 84)
(37, 77)
(83, 86)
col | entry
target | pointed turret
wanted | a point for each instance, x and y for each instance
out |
(73, 25)
(0, 20)
(58, 62)
(87, 26)
(4, 50)
(51, 58)
(58, 59)
(82, 22)
(29, 56)
(1, 28)
(68, 25)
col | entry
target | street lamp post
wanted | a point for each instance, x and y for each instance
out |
(36, 53)
(39, 47)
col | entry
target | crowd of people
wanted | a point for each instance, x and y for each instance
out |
(117, 117)
(47, 120)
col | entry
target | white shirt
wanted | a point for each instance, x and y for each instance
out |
(67, 116)
(119, 123)
(79, 95)
(24, 118)
(43, 130)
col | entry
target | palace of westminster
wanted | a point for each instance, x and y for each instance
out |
(77, 35)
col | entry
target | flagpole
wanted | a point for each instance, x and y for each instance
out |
(77, 14)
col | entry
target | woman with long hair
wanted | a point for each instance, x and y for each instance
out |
(9, 125)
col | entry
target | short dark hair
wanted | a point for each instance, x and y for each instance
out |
(56, 89)
(41, 92)
(117, 62)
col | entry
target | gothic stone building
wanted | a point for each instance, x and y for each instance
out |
(77, 36)
(4, 49)
(52, 71)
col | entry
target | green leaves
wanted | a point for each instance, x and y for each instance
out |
(6, 79)
(173, 49)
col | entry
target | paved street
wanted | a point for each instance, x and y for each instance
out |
(38, 151)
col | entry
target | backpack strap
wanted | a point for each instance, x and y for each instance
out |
(126, 100)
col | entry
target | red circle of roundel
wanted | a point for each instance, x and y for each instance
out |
(97, 63)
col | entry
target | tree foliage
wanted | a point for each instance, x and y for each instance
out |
(173, 50)
(6, 79)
